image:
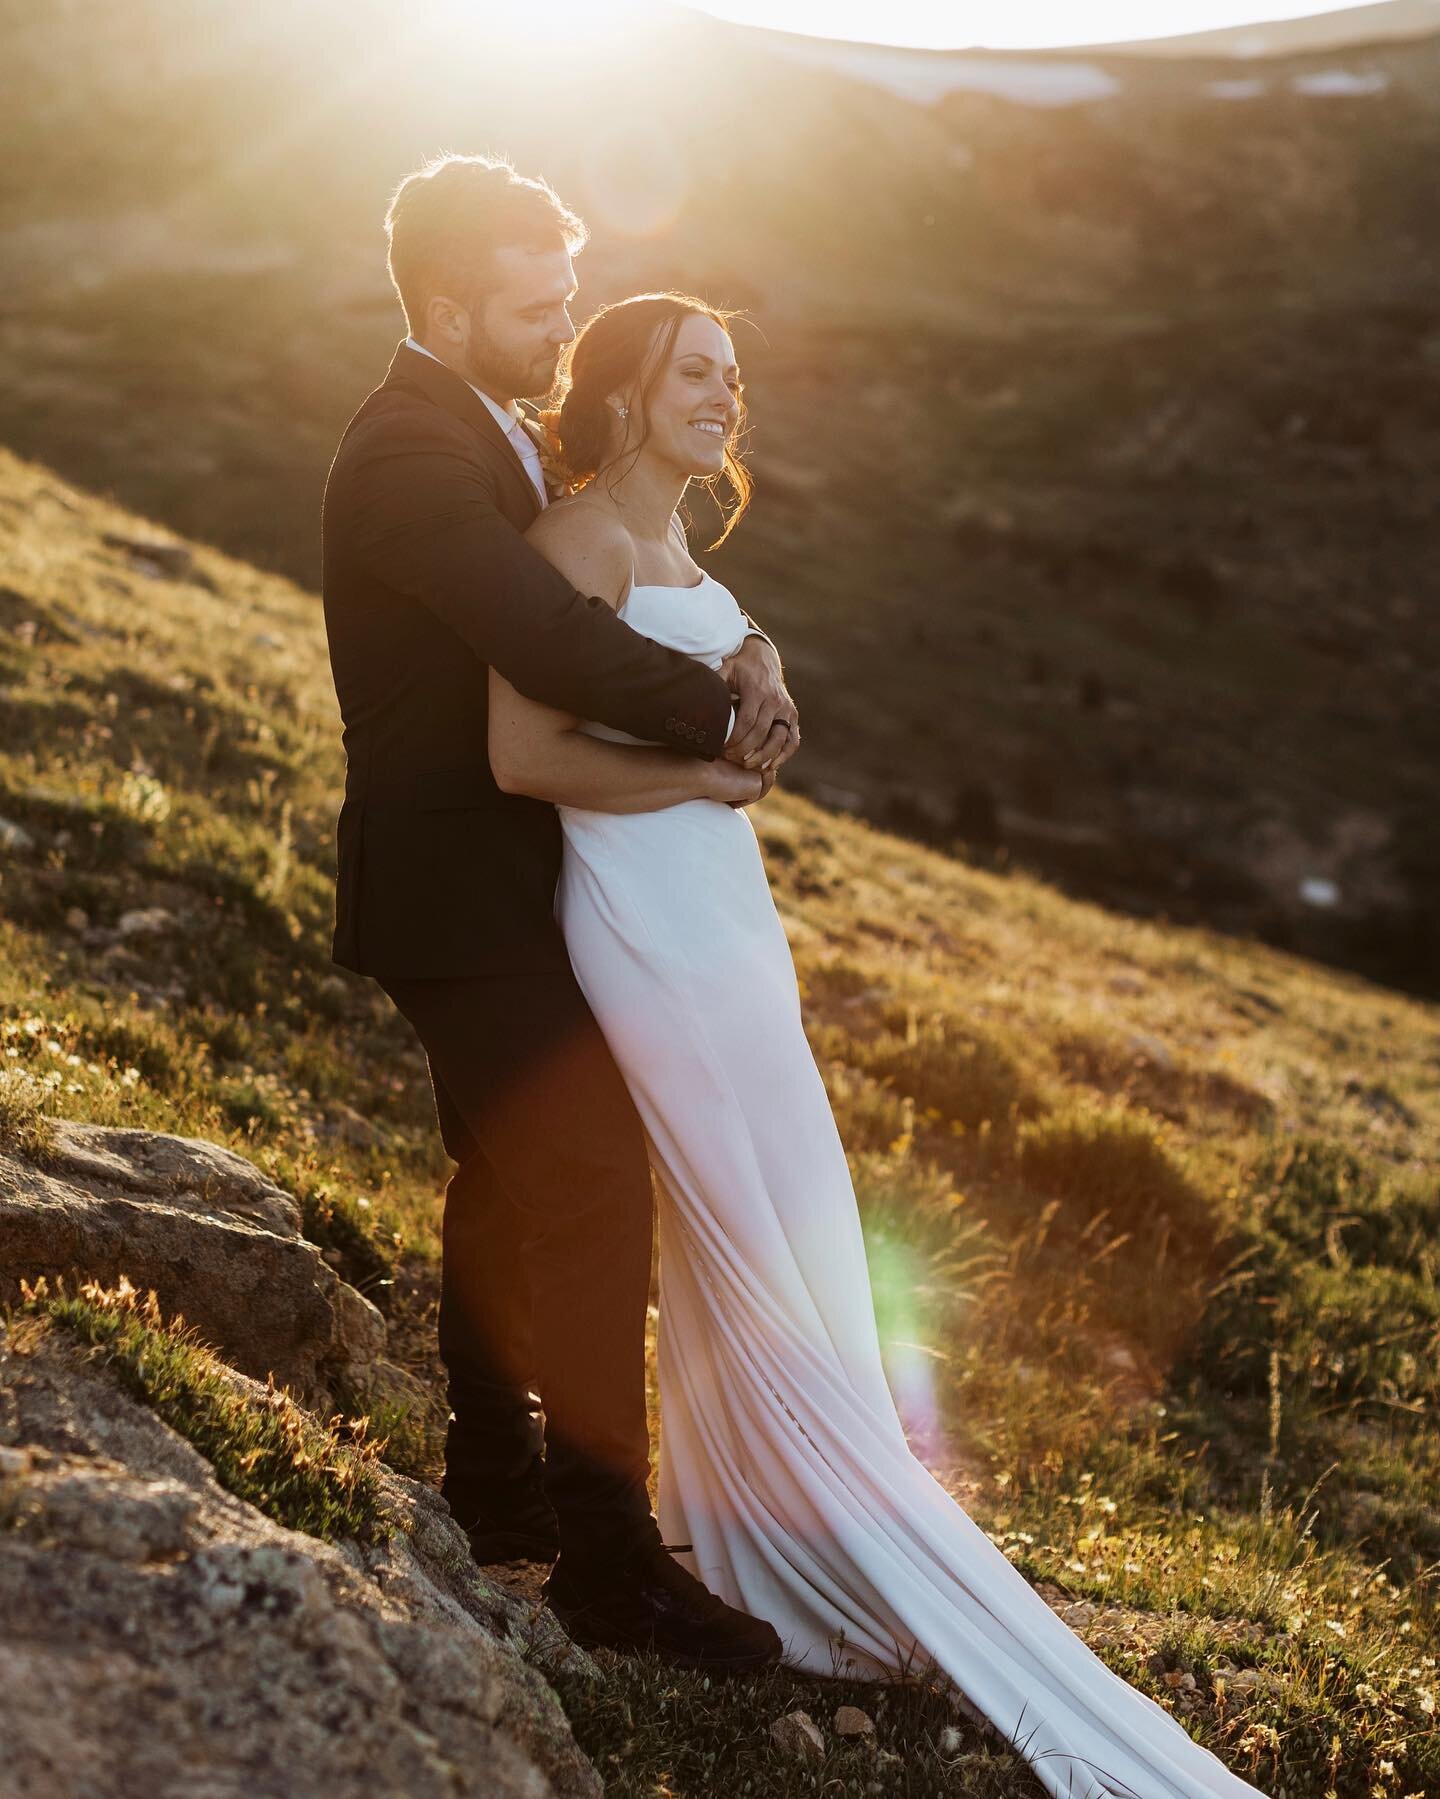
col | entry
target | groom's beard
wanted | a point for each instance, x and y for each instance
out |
(508, 375)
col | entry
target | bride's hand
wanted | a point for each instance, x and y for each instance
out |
(733, 785)
(766, 732)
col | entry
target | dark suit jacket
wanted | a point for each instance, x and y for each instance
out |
(426, 582)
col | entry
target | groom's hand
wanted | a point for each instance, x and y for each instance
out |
(767, 726)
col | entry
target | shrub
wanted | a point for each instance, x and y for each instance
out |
(1113, 1162)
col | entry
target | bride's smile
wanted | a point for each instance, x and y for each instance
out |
(690, 413)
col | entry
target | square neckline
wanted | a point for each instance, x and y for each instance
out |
(659, 587)
(669, 586)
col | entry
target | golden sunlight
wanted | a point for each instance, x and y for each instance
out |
(558, 21)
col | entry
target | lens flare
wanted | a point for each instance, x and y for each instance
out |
(911, 1361)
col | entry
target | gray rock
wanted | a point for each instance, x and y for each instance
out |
(1151, 1050)
(349, 1126)
(162, 1636)
(214, 1238)
(797, 1735)
(145, 921)
(850, 1721)
(154, 556)
(15, 838)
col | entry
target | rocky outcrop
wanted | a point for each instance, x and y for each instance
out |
(162, 1636)
(210, 1234)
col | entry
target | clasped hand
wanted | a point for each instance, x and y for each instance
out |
(766, 732)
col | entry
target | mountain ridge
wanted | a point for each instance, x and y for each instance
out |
(1095, 443)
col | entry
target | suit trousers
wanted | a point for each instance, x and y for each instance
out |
(546, 1247)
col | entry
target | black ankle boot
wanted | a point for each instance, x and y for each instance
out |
(647, 1604)
(506, 1518)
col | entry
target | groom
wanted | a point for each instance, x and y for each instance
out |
(445, 895)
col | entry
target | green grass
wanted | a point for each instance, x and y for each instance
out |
(267, 1451)
(1151, 1212)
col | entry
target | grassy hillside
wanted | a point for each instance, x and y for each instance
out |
(1096, 442)
(1151, 1213)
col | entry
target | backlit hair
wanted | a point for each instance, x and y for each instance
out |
(447, 220)
(626, 347)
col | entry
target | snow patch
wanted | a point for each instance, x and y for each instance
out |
(1315, 890)
(1236, 90)
(928, 79)
(1328, 83)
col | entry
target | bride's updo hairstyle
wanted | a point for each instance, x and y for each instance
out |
(625, 348)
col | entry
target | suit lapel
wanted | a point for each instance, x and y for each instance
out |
(447, 389)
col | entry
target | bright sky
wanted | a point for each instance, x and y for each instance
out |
(1015, 25)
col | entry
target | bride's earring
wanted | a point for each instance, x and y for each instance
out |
(622, 412)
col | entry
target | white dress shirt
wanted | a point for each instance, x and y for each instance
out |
(508, 419)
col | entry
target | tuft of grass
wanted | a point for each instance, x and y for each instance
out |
(1116, 1164)
(24, 1126)
(267, 1451)
(959, 1075)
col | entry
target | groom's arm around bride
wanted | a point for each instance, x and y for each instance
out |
(427, 580)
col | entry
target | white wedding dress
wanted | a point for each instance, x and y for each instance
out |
(782, 1458)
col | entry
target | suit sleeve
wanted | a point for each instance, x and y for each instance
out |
(425, 521)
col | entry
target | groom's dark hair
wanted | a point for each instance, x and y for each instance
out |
(448, 218)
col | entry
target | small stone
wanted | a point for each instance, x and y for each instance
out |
(1151, 1050)
(349, 1126)
(145, 921)
(797, 1735)
(15, 837)
(152, 556)
(1315, 890)
(77, 919)
(850, 1721)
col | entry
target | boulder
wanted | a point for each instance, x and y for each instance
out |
(214, 1238)
(163, 1636)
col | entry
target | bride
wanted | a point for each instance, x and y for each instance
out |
(783, 1463)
